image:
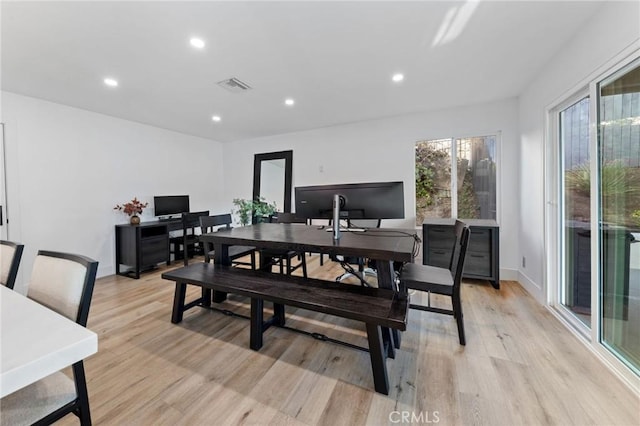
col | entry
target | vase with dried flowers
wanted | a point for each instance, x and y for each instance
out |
(133, 208)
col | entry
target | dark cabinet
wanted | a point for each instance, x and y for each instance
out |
(141, 247)
(483, 253)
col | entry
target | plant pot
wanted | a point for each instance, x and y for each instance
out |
(134, 220)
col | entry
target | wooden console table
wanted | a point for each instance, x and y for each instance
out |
(143, 246)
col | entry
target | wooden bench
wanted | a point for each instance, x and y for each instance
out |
(380, 309)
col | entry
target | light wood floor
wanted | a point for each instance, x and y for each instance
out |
(520, 366)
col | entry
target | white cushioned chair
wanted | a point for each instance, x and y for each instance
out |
(64, 283)
(10, 254)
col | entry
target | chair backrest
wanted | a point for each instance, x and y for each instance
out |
(64, 282)
(211, 223)
(10, 254)
(191, 220)
(457, 235)
(459, 255)
(288, 218)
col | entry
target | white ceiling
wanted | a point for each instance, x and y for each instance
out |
(335, 59)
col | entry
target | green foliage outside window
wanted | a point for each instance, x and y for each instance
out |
(620, 190)
(433, 185)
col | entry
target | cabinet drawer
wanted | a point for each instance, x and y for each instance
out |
(153, 250)
(440, 237)
(439, 257)
(480, 240)
(477, 264)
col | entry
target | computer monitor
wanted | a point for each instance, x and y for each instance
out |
(166, 205)
(378, 200)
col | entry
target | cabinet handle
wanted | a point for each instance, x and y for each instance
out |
(439, 252)
(477, 255)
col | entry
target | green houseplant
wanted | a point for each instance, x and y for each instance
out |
(248, 209)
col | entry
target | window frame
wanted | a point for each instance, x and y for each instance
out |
(497, 134)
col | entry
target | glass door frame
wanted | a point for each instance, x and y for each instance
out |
(554, 188)
(552, 212)
(596, 206)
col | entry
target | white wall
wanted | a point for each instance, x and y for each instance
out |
(611, 31)
(67, 169)
(383, 150)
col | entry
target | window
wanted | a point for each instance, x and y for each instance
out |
(456, 177)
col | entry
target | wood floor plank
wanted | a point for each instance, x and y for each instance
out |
(520, 365)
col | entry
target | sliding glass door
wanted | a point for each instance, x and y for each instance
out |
(575, 210)
(619, 205)
(594, 257)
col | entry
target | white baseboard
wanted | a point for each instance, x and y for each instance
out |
(105, 271)
(532, 288)
(509, 274)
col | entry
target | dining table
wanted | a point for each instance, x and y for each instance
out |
(386, 247)
(36, 341)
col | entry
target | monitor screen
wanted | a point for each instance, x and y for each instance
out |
(379, 200)
(166, 205)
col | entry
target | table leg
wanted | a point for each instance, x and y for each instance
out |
(221, 257)
(257, 323)
(278, 315)
(206, 297)
(378, 363)
(178, 302)
(387, 279)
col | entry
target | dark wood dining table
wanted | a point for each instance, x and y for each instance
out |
(385, 246)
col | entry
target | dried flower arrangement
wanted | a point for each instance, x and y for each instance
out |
(132, 208)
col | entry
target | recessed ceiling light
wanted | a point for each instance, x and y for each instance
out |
(216, 118)
(197, 43)
(397, 77)
(289, 102)
(111, 82)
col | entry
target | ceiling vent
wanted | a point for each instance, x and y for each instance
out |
(234, 85)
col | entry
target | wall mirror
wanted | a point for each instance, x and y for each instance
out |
(272, 178)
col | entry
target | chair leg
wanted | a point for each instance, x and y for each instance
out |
(304, 265)
(253, 260)
(83, 397)
(457, 313)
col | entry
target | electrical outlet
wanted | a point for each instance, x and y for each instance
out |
(524, 262)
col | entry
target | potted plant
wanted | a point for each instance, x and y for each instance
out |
(249, 209)
(133, 208)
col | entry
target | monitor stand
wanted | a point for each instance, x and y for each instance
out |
(347, 229)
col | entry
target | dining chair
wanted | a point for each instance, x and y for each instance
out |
(284, 259)
(181, 244)
(64, 283)
(442, 281)
(223, 221)
(10, 255)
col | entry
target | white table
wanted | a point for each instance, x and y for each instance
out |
(36, 341)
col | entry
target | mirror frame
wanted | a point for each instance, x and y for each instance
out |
(287, 156)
